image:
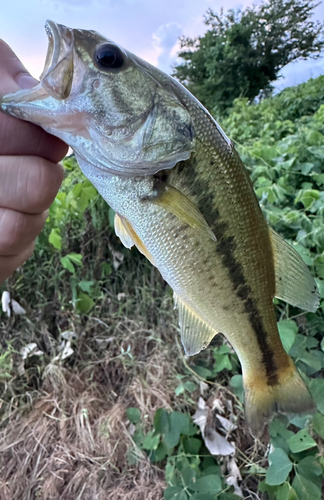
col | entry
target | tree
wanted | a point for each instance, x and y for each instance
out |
(243, 51)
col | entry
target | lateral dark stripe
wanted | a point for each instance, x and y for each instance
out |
(226, 247)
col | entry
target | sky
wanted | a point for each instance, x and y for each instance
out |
(148, 28)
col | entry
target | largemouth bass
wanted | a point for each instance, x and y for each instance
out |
(181, 195)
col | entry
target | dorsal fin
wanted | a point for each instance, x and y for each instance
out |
(195, 333)
(294, 282)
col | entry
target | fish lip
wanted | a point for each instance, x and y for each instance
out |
(53, 51)
(57, 75)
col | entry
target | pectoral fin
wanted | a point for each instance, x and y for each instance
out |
(294, 282)
(172, 200)
(122, 232)
(128, 237)
(195, 333)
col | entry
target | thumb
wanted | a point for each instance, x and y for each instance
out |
(14, 75)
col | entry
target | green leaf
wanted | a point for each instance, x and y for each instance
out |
(311, 360)
(307, 197)
(170, 474)
(133, 415)
(287, 331)
(309, 467)
(202, 371)
(179, 424)
(223, 349)
(283, 492)
(286, 492)
(304, 253)
(189, 473)
(86, 286)
(316, 387)
(205, 496)
(106, 268)
(301, 441)
(90, 192)
(67, 264)
(76, 258)
(222, 362)
(236, 382)
(180, 421)
(84, 303)
(277, 427)
(190, 386)
(77, 190)
(151, 441)
(228, 496)
(192, 445)
(161, 421)
(161, 452)
(207, 484)
(317, 151)
(180, 389)
(305, 489)
(55, 238)
(279, 469)
(318, 424)
(175, 493)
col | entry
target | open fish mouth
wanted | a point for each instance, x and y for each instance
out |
(57, 75)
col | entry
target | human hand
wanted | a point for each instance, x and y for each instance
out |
(29, 173)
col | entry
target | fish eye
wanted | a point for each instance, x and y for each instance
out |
(109, 56)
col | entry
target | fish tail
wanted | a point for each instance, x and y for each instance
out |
(263, 400)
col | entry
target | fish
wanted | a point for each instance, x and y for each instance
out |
(184, 198)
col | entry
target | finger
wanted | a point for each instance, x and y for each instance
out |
(9, 264)
(14, 75)
(28, 184)
(32, 139)
(23, 138)
(18, 230)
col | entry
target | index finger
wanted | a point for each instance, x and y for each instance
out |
(19, 137)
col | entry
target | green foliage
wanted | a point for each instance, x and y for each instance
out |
(190, 470)
(280, 467)
(243, 51)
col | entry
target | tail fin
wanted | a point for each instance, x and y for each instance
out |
(262, 401)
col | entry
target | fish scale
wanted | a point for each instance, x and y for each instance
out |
(183, 196)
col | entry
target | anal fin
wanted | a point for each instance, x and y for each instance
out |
(195, 333)
(294, 282)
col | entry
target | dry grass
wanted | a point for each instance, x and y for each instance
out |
(73, 440)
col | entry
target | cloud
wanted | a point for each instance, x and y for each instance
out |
(166, 39)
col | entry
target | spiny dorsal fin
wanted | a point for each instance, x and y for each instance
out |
(294, 282)
(195, 333)
(128, 236)
(179, 205)
(122, 233)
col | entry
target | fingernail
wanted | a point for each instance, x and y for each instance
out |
(26, 81)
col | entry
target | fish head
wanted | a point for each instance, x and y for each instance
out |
(116, 111)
